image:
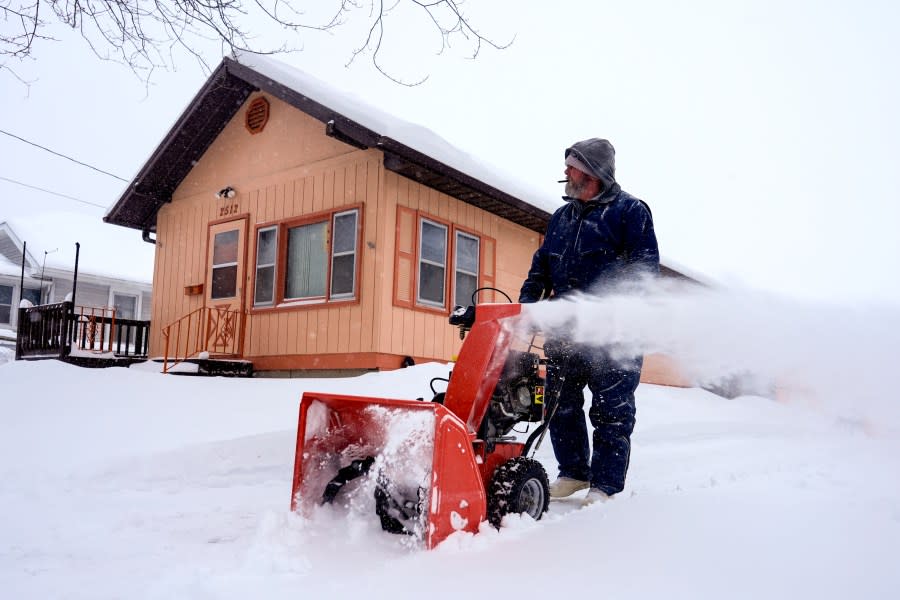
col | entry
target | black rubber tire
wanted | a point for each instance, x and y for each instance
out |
(518, 486)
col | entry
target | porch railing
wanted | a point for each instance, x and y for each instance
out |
(58, 330)
(98, 330)
(44, 331)
(206, 329)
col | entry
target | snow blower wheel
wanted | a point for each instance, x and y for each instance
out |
(519, 486)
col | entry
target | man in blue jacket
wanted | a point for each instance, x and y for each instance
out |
(601, 239)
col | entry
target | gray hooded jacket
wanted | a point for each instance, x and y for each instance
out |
(595, 245)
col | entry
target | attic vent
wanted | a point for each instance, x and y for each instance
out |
(257, 115)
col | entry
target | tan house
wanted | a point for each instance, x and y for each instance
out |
(300, 229)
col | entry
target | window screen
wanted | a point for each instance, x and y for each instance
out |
(432, 263)
(265, 266)
(343, 255)
(466, 273)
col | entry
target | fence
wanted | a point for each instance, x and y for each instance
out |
(43, 331)
(57, 331)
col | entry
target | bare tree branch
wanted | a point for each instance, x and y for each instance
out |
(147, 34)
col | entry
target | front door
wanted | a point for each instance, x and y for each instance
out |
(225, 276)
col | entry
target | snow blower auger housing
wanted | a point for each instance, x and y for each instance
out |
(430, 469)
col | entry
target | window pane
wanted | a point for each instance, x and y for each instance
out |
(434, 243)
(5, 303)
(224, 282)
(345, 233)
(265, 247)
(431, 283)
(342, 274)
(465, 287)
(307, 261)
(467, 253)
(125, 306)
(225, 247)
(33, 296)
(265, 285)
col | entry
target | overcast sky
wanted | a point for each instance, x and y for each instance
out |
(764, 135)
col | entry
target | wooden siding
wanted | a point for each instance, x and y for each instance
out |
(664, 370)
(334, 327)
(420, 332)
(290, 169)
(237, 157)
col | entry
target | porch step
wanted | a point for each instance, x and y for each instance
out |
(210, 367)
(96, 362)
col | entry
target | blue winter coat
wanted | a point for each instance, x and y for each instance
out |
(595, 245)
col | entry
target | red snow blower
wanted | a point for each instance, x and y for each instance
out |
(431, 468)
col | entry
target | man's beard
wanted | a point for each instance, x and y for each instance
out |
(573, 189)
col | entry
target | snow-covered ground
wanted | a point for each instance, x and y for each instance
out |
(123, 483)
(7, 353)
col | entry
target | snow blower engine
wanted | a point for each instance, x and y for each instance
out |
(430, 468)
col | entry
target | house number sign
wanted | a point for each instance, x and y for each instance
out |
(230, 209)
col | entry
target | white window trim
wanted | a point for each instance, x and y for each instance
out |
(12, 305)
(457, 269)
(273, 264)
(354, 253)
(280, 299)
(419, 260)
(111, 302)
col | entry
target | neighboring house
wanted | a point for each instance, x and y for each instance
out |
(324, 234)
(49, 277)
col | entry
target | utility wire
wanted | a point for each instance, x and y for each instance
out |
(21, 139)
(34, 187)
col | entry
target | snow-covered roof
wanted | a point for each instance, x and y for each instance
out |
(106, 252)
(410, 150)
(394, 126)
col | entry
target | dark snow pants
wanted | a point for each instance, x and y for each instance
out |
(612, 383)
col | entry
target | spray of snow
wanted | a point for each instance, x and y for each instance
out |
(833, 357)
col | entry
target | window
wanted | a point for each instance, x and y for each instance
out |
(266, 247)
(426, 264)
(306, 267)
(466, 269)
(432, 263)
(125, 305)
(6, 293)
(33, 296)
(315, 260)
(225, 265)
(343, 255)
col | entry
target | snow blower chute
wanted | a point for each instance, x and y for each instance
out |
(430, 468)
